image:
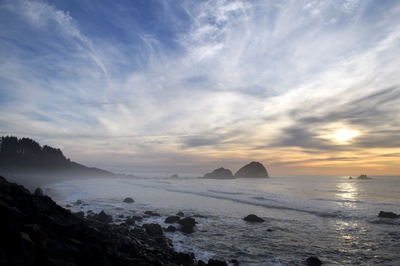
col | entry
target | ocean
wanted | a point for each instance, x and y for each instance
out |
(331, 217)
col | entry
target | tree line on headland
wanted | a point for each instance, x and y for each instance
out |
(25, 155)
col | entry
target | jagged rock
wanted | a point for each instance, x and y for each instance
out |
(253, 169)
(103, 217)
(153, 229)
(363, 177)
(187, 220)
(129, 200)
(78, 202)
(172, 219)
(253, 218)
(180, 214)
(313, 261)
(383, 214)
(38, 192)
(80, 214)
(220, 173)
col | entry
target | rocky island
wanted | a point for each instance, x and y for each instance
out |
(253, 169)
(220, 173)
(363, 177)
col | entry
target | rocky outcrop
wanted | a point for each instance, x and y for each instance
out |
(34, 230)
(220, 173)
(253, 169)
(253, 218)
(174, 176)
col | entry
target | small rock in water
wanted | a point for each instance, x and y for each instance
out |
(188, 220)
(313, 261)
(187, 229)
(137, 218)
(171, 228)
(78, 202)
(128, 200)
(150, 213)
(383, 214)
(172, 219)
(180, 214)
(253, 218)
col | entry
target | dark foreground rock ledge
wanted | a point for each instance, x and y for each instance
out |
(34, 230)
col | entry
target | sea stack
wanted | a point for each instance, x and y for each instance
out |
(363, 177)
(253, 169)
(220, 173)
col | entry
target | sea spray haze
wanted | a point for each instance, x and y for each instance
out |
(331, 217)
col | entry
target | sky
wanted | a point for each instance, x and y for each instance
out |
(188, 86)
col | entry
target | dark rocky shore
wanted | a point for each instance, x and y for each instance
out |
(34, 230)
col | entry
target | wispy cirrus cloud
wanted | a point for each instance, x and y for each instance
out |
(216, 81)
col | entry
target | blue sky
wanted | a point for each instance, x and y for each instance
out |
(305, 87)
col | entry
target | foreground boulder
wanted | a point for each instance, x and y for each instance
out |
(253, 218)
(220, 173)
(253, 169)
(34, 230)
(383, 214)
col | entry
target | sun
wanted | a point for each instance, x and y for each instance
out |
(344, 135)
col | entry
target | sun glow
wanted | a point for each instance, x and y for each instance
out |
(344, 135)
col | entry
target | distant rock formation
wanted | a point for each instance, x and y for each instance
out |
(253, 218)
(363, 177)
(174, 176)
(350, 177)
(253, 169)
(220, 173)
